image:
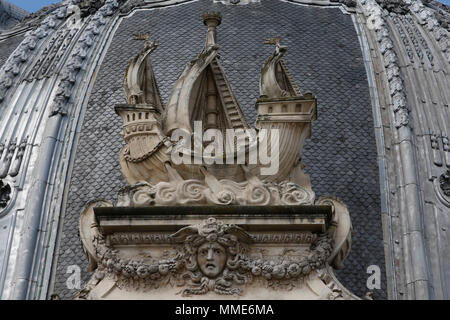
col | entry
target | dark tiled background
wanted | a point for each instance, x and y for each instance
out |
(325, 58)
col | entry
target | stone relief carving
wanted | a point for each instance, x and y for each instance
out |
(415, 31)
(272, 83)
(436, 149)
(348, 3)
(97, 23)
(14, 171)
(441, 11)
(130, 5)
(444, 183)
(124, 238)
(5, 194)
(404, 38)
(211, 256)
(214, 256)
(237, 2)
(215, 192)
(89, 7)
(6, 163)
(396, 87)
(25, 51)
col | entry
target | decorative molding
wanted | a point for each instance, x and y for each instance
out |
(5, 194)
(237, 2)
(230, 268)
(286, 238)
(81, 51)
(348, 3)
(434, 139)
(377, 22)
(446, 148)
(13, 67)
(416, 33)
(397, 21)
(441, 11)
(444, 183)
(89, 7)
(135, 238)
(394, 6)
(135, 253)
(14, 171)
(127, 238)
(416, 38)
(215, 192)
(6, 163)
(427, 19)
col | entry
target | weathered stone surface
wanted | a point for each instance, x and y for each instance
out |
(5, 193)
(330, 66)
(444, 183)
(211, 258)
(7, 47)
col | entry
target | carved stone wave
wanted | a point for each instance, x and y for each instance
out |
(196, 192)
(5, 194)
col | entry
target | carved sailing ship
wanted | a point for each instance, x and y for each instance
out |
(203, 93)
(247, 233)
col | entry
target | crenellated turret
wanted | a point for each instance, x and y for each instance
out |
(142, 129)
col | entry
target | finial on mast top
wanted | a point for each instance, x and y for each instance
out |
(212, 20)
(277, 42)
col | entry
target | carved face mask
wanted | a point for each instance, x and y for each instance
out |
(211, 259)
